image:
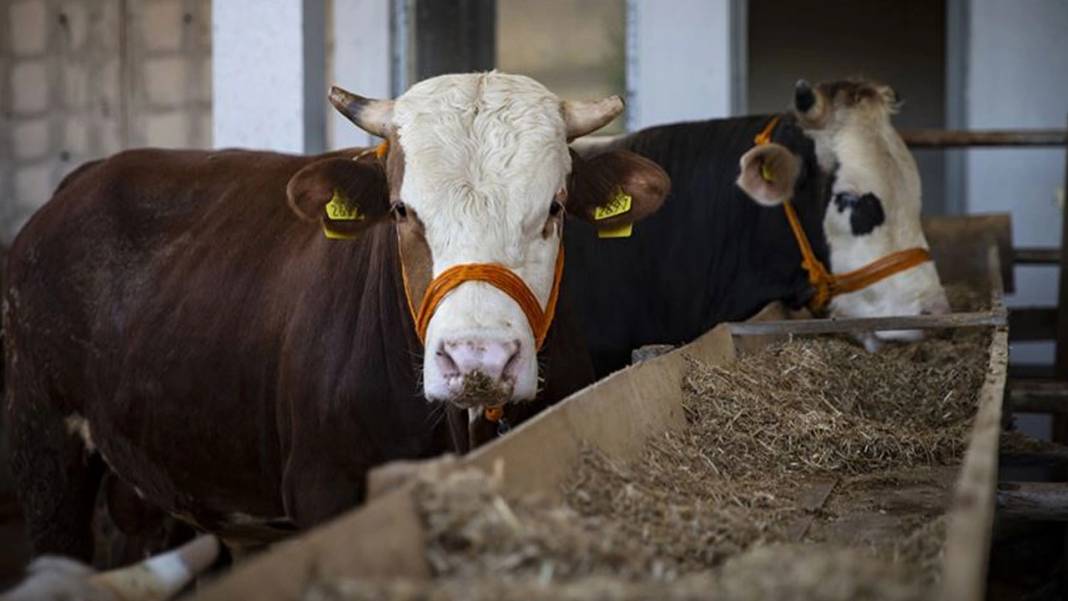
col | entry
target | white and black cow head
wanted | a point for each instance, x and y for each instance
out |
(479, 172)
(873, 186)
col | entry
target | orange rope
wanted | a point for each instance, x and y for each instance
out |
(826, 284)
(382, 150)
(501, 278)
(765, 134)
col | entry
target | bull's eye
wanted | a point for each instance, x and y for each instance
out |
(400, 211)
(555, 208)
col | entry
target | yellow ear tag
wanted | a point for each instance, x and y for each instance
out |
(765, 172)
(620, 204)
(338, 210)
(623, 231)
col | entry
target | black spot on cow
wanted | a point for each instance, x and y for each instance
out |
(866, 212)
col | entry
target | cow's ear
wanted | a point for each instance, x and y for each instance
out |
(616, 188)
(768, 173)
(346, 196)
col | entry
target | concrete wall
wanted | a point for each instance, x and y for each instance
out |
(680, 60)
(1016, 57)
(82, 79)
(268, 74)
(899, 42)
(359, 49)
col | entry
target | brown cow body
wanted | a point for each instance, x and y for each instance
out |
(168, 315)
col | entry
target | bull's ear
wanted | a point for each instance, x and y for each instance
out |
(768, 173)
(616, 188)
(346, 196)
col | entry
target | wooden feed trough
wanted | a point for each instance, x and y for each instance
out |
(384, 539)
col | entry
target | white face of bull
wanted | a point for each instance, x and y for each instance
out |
(874, 205)
(478, 169)
(486, 157)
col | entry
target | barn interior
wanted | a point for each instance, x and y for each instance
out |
(982, 86)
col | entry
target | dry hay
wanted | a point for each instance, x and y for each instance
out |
(715, 510)
(768, 573)
(482, 547)
(823, 405)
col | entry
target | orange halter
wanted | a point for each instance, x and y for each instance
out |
(499, 277)
(828, 285)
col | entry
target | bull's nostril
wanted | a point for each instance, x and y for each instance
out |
(446, 363)
(494, 359)
(511, 367)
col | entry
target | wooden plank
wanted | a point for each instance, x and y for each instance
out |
(1031, 370)
(1060, 359)
(1036, 256)
(616, 415)
(1042, 501)
(958, 246)
(1032, 323)
(811, 499)
(870, 324)
(382, 540)
(954, 138)
(970, 520)
(1038, 396)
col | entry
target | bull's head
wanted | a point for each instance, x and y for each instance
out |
(478, 175)
(873, 195)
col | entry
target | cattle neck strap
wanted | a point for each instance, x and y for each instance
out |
(828, 285)
(499, 277)
(379, 151)
(765, 134)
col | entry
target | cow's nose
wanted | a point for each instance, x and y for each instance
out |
(496, 359)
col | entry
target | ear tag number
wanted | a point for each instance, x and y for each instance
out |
(619, 205)
(339, 210)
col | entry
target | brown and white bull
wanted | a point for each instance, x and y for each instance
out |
(169, 320)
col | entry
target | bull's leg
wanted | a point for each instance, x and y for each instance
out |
(56, 475)
(133, 527)
(314, 492)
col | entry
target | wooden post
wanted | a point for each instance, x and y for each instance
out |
(1060, 361)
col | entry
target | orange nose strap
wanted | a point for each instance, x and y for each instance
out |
(828, 285)
(499, 277)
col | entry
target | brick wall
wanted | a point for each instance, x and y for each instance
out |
(82, 79)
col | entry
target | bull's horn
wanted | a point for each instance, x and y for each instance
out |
(162, 576)
(370, 115)
(585, 116)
